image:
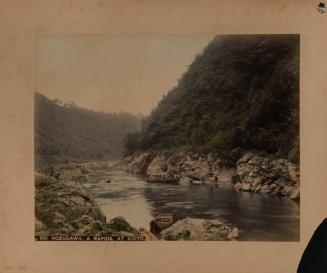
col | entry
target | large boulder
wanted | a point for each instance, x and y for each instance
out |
(157, 166)
(137, 164)
(268, 175)
(119, 224)
(42, 180)
(200, 230)
(199, 172)
(194, 167)
(295, 194)
(246, 187)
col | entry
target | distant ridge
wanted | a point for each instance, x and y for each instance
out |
(68, 132)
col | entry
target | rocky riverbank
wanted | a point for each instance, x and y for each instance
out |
(188, 168)
(267, 175)
(64, 207)
(253, 173)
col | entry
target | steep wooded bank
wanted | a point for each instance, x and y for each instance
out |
(241, 94)
(237, 106)
(68, 132)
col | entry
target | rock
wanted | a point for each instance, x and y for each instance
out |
(120, 224)
(200, 230)
(295, 193)
(286, 190)
(246, 187)
(75, 224)
(39, 226)
(157, 166)
(257, 181)
(79, 178)
(59, 215)
(78, 200)
(265, 189)
(97, 214)
(104, 180)
(42, 180)
(238, 186)
(97, 229)
(185, 180)
(210, 158)
(212, 179)
(267, 175)
(86, 220)
(233, 234)
(245, 158)
(199, 172)
(194, 156)
(139, 164)
(293, 171)
(257, 188)
(49, 171)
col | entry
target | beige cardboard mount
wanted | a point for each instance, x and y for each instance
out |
(22, 20)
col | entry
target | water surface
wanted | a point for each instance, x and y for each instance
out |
(258, 217)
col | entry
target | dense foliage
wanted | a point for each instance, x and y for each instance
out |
(240, 94)
(68, 132)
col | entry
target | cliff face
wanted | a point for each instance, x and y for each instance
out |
(267, 175)
(186, 167)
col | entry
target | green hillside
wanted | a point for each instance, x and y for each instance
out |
(240, 94)
(68, 132)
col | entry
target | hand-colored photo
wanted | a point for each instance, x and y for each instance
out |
(167, 137)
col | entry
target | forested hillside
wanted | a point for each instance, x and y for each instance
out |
(68, 132)
(241, 94)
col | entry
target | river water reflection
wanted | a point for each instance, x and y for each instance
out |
(258, 217)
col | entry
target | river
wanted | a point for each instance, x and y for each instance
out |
(258, 217)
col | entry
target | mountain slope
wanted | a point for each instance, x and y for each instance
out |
(240, 94)
(65, 132)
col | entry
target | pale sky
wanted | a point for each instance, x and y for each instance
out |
(114, 73)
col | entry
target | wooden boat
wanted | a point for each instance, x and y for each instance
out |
(161, 222)
(163, 178)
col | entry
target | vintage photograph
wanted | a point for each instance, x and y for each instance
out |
(167, 137)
